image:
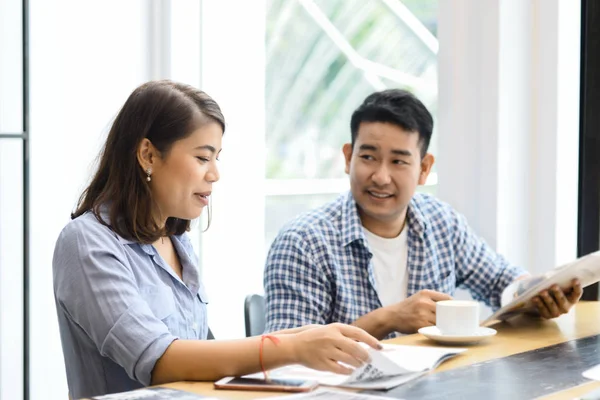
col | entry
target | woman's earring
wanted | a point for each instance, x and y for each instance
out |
(149, 172)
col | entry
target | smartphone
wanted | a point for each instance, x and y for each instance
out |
(275, 385)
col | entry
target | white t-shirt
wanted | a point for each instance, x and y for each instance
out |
(389, 266)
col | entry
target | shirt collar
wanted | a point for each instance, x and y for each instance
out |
(352, 226)
(417, 221)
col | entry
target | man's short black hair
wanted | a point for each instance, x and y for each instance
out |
(398, 107)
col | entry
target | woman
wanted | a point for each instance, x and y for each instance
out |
(130, 304)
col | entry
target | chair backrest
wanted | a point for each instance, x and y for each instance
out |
(254, 314)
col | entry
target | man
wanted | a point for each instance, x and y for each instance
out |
(380, 256)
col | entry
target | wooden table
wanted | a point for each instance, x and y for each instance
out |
(519, 335)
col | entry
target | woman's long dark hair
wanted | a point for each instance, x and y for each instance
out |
(162, 112)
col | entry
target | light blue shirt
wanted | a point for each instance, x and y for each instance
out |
(120, 306)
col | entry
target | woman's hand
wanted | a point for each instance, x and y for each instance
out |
(296, 330)
(322, 347)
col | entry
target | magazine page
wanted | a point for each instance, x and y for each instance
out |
(586, 269)
(390, 367)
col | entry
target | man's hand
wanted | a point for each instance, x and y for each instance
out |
(554, 302)
(416, 311)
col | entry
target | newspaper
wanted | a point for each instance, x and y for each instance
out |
(586, 269)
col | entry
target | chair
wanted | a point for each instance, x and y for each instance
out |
(254, 314)
(210, 335)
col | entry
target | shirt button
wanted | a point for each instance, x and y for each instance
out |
(195, 326)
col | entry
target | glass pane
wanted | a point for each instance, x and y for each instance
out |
(11, 67)
(426, 11)
(282, 209)
(11, 269)
(323, 59)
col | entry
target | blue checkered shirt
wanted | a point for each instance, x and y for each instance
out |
(319, 267)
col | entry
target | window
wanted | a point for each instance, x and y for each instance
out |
(323, 58)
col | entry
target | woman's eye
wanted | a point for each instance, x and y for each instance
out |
(203, 159)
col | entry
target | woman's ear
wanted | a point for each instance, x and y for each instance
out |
(146, 154)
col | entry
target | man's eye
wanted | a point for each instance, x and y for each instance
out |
(366, 157)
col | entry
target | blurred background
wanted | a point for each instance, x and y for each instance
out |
(503, 79)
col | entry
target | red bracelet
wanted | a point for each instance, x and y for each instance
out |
(275, 340)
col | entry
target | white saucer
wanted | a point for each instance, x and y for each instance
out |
(433, 333)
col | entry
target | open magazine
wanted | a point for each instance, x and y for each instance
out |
(388, 368)
(586, 269)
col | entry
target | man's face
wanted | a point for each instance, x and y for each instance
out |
(385, 167)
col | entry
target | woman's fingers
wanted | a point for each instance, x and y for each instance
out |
(342, 356)
(334, 366)
(352, 348)
(360, 335)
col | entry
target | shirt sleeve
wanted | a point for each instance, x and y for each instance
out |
(297, 289)
(479, 268)
(97, 290)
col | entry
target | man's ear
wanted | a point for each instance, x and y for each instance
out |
(426, 165)
(146, 154)
(347, 150)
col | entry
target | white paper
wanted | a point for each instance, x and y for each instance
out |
(593, 373)
(388, 368)
(586, 269)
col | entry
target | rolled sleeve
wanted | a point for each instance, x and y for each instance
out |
(136, 341)
(297, 290)
(97, 289)
(479, 268)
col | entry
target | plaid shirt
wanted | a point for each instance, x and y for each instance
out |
(319, 268)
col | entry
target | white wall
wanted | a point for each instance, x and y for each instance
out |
(86, 57)
(11, 202)
(509, 123)
(233, 69)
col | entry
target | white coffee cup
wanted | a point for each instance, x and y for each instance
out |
(457, 317)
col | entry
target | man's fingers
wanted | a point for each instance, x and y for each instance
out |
(576, 292)
(541, 307)
(561, 300)
(430, 320)
(437, 296)
(550, 304)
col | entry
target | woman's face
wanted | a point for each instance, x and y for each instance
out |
(182, 180)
